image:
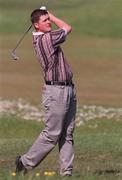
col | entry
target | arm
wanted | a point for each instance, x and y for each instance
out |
(59, 23)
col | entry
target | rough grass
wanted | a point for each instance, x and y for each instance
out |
(98, 146)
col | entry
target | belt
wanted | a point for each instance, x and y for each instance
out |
(60, 83)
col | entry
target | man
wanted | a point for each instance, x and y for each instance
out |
(58, 96)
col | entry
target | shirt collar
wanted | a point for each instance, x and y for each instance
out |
(37, 33)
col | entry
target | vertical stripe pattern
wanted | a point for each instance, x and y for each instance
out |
(51, 57)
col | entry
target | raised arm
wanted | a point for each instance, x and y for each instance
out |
(59, 23)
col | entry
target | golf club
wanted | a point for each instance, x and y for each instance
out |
(13, 53)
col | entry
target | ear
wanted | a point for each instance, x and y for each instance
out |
(36, 25)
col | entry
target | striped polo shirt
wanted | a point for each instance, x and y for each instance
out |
(50, 55)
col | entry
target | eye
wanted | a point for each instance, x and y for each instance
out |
(48, 19)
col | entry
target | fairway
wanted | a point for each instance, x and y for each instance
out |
(94, 50)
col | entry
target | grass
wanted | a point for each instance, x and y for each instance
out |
(96, 64)
(88, 17)
(94, 50)
(98, 147)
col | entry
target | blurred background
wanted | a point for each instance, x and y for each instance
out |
(93, 49)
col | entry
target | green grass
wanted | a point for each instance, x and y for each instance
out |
(88, 17)
(94, 50)
(98, 148)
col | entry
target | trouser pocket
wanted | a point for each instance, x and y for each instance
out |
(46, 97)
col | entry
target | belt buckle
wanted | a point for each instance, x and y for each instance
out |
(51, 82)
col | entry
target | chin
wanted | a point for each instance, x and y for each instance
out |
(49, 29)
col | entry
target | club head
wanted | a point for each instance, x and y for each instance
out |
(14, 56)
(43, 8)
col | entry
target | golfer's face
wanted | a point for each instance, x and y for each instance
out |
(44, 23)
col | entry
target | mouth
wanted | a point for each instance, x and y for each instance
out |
(49, 28)
(49, 25)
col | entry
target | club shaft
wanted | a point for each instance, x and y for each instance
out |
(22, 38)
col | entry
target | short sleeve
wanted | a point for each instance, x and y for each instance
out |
(58, 36)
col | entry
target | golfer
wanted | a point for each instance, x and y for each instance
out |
(58, 95)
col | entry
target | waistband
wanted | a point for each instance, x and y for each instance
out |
(60, 83)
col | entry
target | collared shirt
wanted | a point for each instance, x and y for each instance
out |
(50, 55)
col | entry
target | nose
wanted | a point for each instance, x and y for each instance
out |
(48, 21)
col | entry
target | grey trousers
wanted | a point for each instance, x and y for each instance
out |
(60, 110)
